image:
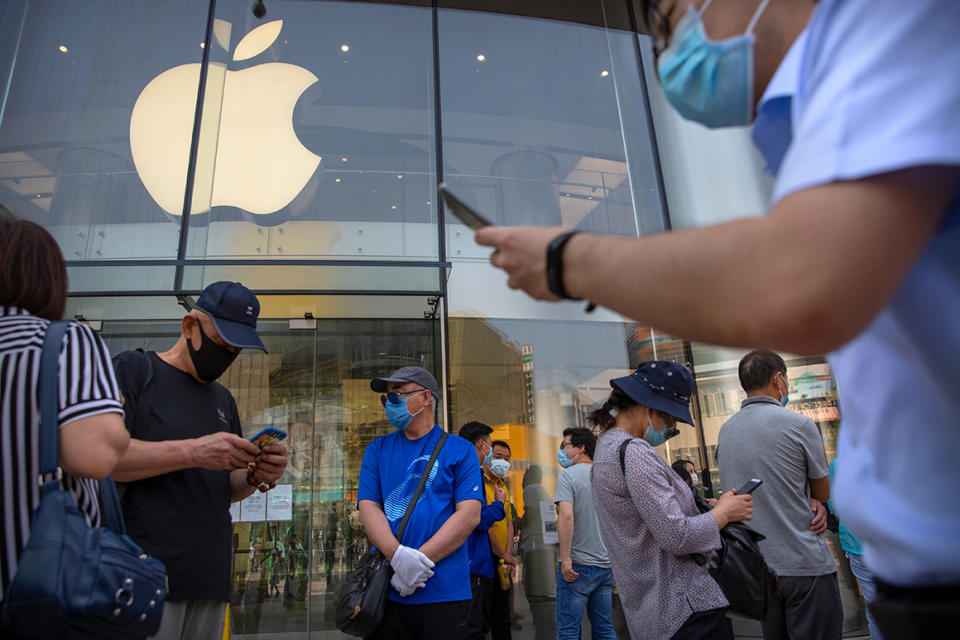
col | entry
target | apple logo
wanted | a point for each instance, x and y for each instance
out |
(260, 165)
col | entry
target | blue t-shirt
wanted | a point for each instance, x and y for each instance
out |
(392, 466)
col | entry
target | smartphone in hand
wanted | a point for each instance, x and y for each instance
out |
(752, 484)
(464, 212)
(268, 435)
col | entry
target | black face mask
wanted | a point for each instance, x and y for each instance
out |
(210, 360)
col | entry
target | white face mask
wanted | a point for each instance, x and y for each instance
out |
(694, 480)
(499, 467)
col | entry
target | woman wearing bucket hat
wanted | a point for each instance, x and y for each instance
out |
(648, 518)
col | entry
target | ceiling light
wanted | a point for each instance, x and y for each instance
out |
(203, 44)
(399, 176)
(393, 206)
(604, 73)
(337, 180)
(344, 48)
(428, 202)
(343, 159)
(481, 58)
(63, 48)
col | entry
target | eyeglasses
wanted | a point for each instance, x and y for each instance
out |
(564, 445)
(394, 396)
(659, 26)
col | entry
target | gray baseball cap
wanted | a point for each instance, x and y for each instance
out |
(418, 375)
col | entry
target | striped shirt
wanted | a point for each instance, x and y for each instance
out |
(86, 387)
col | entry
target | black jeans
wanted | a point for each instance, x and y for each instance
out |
(498, 613)
(479, 613)
(917, 612)
(706, 625)
(434, 621)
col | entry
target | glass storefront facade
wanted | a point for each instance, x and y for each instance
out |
(170, 145)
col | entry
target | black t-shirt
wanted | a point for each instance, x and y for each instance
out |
(183, 517)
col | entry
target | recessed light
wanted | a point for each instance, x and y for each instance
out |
(481, 58)
(344, 48)
(63, 48)
(343, 159)
(393, 206)
(399, 176)
(428, 202)
(604, 73)
(337, 180)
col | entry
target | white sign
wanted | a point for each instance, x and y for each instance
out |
(548, 516)
(254, 508)
(280, 502)
(235, 511)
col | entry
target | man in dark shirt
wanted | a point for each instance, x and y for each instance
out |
(187, 459)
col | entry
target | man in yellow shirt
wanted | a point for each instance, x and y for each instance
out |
(501, 542)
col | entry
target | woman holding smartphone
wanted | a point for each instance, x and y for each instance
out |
(648, 518)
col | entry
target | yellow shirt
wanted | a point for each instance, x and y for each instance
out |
(499, 528)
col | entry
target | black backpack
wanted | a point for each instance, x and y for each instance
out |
(741, 570)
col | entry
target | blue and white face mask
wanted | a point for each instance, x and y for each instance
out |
(709, 81)
(396, 409)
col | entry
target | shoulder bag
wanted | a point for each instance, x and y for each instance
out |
(740, 568)
(74, 580)
(363, 595)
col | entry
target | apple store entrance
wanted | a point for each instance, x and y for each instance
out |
(293, 546)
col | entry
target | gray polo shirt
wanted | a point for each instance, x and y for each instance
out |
(782, 448)
(573, 486)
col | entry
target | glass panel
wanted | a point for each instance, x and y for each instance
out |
(72, 76)
(316, 278)
(317, 138)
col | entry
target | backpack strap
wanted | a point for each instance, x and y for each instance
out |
(623, 457)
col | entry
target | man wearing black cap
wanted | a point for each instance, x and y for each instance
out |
(187, 459)
(430, 595)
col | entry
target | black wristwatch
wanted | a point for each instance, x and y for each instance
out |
(555, 265)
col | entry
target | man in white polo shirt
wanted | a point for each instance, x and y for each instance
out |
(858, 256)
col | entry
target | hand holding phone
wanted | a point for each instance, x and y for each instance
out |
(464, 212)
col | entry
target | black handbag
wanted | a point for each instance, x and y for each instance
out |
(363, 595)
(73, 580)
(740, 569)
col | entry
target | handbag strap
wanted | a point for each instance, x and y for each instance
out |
(420, 486)
(110, 501)
(48, 392)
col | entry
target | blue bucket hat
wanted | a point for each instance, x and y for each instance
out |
(662, 385)
(234, 310)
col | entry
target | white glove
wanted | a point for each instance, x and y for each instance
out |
(411, 568)
(403, 589)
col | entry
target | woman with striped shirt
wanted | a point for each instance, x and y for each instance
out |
(33, 291)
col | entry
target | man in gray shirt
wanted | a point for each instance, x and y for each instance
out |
(784, 449)
(584, 577)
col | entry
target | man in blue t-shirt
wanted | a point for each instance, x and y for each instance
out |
(430, 594)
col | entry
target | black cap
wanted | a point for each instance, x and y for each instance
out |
(234, 310)
(662, 385)
(418, 375)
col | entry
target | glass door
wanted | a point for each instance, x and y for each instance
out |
(293, 546)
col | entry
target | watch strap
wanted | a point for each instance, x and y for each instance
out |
(555, 265)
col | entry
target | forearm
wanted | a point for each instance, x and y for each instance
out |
(145, 459)
(377, 528)
(239, 488)
(495, 544)
(565, 534)
(451, 535)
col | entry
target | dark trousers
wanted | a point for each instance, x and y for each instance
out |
(434, 621)
(498, 613)
(916, 613)
(706, 625)
(807, 607)
(482, 588)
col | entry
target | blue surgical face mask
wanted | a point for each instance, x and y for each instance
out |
(563, 460)
(709, 81)
(499, 468)
(488, 459)
(654, 437)
(397, 413)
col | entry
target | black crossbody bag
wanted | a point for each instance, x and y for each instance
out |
(741, 570)
(363, 595)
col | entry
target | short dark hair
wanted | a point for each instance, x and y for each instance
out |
(618, 401)
(33, 275)
(473, 431)
(758, 367)
(580, 437)
(680, 466)
(502, 443)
